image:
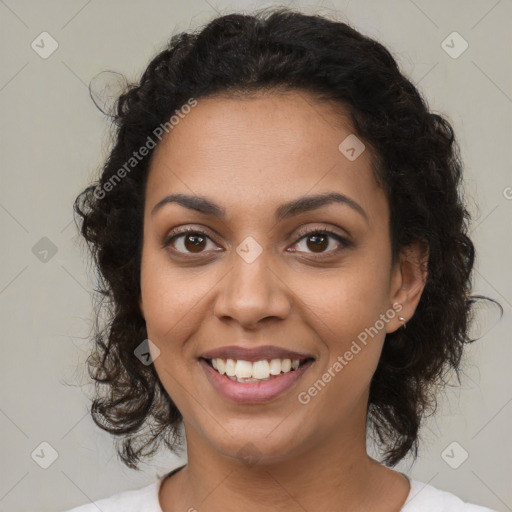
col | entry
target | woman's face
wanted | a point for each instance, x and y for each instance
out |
(255, 279)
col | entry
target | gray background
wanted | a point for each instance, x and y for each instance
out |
(52, 141)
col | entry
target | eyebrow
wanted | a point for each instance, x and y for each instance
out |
(301, 205)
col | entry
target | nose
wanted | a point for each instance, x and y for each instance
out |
(252, 292)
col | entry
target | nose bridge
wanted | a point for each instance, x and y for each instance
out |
(252, 289)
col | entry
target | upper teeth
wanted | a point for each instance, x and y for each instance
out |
(258, 370)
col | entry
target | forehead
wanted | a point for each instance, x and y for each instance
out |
(262, 148)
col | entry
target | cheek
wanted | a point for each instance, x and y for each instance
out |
(176, 302)
(171, 320)
(351, 298)
(348, 310)
(167, 301)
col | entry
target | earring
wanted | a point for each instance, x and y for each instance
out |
(402, 319)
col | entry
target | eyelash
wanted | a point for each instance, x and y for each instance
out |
(302, 234)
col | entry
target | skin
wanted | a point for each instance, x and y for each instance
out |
(249, 155)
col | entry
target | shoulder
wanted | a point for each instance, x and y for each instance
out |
(426, 498)
(144, 499)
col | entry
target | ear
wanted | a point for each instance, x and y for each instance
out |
(409, 276)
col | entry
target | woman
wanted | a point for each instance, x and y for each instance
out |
(280, 233)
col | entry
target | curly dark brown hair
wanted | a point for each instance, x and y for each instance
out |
(417, 163)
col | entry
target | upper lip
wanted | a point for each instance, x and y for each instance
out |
(267, 352)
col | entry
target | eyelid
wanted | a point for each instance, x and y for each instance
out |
(328, 230)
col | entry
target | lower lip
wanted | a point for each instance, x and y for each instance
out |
(253, 392)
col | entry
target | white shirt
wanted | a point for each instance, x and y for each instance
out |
(422, 498)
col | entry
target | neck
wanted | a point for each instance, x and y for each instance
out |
(338, 471)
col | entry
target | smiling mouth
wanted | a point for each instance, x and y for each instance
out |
(257, 371)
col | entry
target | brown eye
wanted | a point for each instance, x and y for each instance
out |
(318, 240)
(190, 241)
(194, 243)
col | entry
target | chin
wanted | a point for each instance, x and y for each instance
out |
(257, 446)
